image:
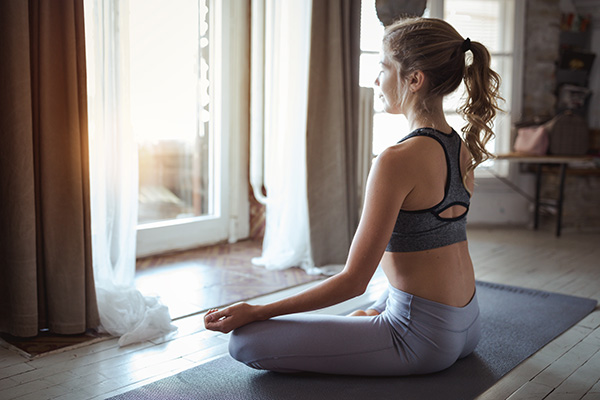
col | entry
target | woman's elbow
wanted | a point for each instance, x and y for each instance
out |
(355, 286)
(359, 289)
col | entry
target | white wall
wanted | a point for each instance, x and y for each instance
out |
(495, 202)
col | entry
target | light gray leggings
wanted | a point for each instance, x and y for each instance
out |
(412, 335)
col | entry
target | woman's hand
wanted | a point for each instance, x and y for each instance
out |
(230, 318)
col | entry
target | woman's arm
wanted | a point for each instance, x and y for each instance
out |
(388, 184)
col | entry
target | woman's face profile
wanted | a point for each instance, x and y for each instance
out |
(387, 81)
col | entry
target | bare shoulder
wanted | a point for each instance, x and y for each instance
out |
(392, 175)
(413, 156)
(394, 161)
(395, 173)
(410, 150)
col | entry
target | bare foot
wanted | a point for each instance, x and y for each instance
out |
(360, 313)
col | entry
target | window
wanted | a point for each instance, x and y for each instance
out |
(387, 128)
(174, 74)
(491, 22)
(195, 90)
(169, 57)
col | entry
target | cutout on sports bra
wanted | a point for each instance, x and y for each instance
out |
(453, 212)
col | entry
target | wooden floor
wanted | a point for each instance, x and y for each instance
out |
(194, 280)
(567, 368)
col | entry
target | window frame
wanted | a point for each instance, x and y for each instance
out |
(229, 25)
(503, 142)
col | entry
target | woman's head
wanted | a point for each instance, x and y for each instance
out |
(433, 48)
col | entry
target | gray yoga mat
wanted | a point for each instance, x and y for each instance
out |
(516, 323)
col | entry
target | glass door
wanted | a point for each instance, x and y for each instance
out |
(172, 82)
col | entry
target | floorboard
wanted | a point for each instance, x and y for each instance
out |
(566, 368)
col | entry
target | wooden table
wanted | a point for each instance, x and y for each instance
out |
(564, 162)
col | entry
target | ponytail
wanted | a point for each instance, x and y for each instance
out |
(434, 47)
(481, 104)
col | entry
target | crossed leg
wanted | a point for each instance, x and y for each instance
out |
(319, 343)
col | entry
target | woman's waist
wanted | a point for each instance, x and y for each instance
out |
(444, 278)
(421, 311)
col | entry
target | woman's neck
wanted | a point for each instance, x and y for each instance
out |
(433, 118)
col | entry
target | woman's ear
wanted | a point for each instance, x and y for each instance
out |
(416, 81)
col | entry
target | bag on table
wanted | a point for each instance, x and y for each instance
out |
(532, 140)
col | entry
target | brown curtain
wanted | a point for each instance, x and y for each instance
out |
(332, 130)
(46, 277)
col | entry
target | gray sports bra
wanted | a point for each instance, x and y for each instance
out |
(426, 229)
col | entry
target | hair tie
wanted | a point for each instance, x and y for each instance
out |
(466, 45)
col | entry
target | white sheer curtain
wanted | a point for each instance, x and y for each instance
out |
(286, 45)
(124, 311)
(283, 50)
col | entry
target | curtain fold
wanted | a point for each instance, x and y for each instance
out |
(46, 277)
(311, 63)
(124, 311)
(286, 51)
(332, 129)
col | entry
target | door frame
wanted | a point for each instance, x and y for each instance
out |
(229, 90)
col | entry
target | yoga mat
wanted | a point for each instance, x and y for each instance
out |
(516, 323)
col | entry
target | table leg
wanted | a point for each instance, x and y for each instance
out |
(538, 185)
(561, 195)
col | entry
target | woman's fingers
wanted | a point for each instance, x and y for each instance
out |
(212, 317)
(229, 318)
(212, 310)
(223, 324)
(215, 320)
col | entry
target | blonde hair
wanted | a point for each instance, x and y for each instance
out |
(435, 48)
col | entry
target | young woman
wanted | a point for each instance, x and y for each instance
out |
(413, 225)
